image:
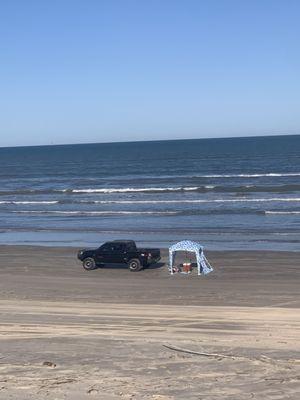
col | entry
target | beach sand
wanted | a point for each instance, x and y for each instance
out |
(66, 333)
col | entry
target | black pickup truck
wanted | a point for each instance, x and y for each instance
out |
(118, 252)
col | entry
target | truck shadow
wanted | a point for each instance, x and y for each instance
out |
(124, 266)
(156, 265)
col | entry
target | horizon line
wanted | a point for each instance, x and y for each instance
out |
(150, 140)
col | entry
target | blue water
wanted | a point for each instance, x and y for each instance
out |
(239, 193)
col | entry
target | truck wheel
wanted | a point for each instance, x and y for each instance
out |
(89, 264)
(135, 265)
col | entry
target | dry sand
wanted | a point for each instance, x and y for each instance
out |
(70, 334)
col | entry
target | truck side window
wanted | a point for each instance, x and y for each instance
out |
(118, 247)
(131, 247)
(122, 248)
(106, 248)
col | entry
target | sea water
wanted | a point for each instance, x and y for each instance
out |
(234, 193)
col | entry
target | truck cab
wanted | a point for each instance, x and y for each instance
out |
(118, 252)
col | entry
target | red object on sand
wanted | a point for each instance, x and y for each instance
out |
(187, 267)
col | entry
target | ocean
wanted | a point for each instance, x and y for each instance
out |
(227, 194)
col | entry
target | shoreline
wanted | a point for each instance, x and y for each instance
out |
(144, 244)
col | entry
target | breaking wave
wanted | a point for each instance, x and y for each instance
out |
(272, 174)
(128, 202)
(186, 212)
(129, 190)
(200, 189)
(97, 212)
(282, 212)
(29, 202)
(236, 200)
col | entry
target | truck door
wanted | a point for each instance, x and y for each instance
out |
(117, 254)
(105, 254)
(110, 253)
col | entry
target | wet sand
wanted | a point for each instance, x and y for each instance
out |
(66, 333)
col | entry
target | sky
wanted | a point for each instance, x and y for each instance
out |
(125, 70)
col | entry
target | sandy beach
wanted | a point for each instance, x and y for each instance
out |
(66, 333)
(133, 127)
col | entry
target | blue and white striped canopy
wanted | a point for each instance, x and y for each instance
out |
(188, 245)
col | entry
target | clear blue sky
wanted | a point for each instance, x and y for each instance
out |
(117, 70)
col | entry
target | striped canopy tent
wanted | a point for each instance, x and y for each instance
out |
(189, 246)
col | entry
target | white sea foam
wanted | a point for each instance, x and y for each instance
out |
(247, 175)
(96, 212)
(128, 190)
(191, 175)
(282, 212)
(169, 189)
(28, 202)
(195, 175)
(236, 200)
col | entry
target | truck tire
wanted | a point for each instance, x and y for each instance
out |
(89, 264)
(135, 265)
